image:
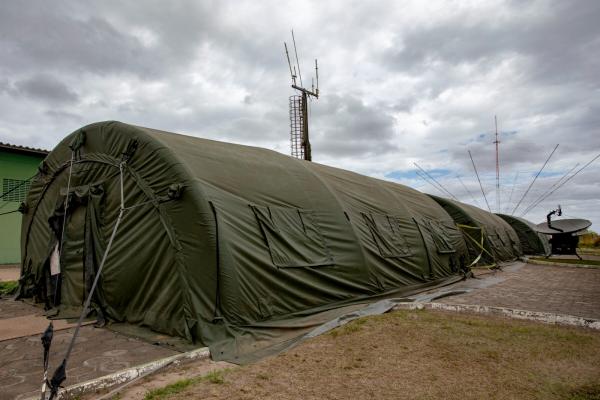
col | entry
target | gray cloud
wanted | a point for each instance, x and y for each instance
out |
(48, 37)
(347, 127)
(63, 115)
(217, 70)
(46, 88)
(556, 40)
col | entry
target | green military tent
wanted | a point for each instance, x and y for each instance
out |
(531, 241)
(225, 245)
(486, 234)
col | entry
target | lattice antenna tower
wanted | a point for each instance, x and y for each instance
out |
(299, 140)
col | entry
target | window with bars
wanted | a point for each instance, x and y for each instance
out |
(14, 190)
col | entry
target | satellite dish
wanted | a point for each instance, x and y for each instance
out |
(564, 225)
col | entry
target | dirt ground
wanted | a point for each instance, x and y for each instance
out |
(419, 355)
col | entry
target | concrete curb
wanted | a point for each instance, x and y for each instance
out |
(559, 264)
(547, 318)
(126, 375)
(594, 251)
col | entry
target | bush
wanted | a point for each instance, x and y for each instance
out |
(590, 239)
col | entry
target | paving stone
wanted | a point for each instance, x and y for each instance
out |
(97, 352)
(546, 288)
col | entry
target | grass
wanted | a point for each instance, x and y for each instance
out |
(567, 261)
(165, 392)
(420, 355)
(214, 377)
(8, 288)
(350, 327)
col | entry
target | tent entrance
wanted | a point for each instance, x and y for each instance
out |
(72, 258)
(81, 244)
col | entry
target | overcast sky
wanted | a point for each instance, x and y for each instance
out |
(401, 82)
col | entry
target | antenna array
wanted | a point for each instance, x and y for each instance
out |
(299, 139)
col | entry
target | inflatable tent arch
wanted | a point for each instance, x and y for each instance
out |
(220, 238)
(532, 242)
(485, 233)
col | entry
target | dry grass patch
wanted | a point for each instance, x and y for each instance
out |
(423, 355)
(215, 377)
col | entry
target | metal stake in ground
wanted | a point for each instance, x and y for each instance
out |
(46, 342)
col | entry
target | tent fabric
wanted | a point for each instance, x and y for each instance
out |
(500, 241)
(532, 242)
(225, 245)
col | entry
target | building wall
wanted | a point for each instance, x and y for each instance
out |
(14, 167)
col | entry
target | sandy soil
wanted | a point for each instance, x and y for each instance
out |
(422, 355)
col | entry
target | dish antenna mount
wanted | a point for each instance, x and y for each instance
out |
(299, 140)
(558, 212)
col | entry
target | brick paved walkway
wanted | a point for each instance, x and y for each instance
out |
(10, 309)
(97, 352)
(545, 288)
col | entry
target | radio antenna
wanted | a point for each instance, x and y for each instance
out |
(287, 54)
(533, 181)
(565, 181)
(299, 112)
(467, 190)
(479, 180)
(433, 179)
(297, 61)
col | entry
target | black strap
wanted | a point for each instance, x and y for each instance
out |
(23, 208)
(57, 379)
(47, 342)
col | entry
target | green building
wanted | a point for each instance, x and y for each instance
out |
(17, 165)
